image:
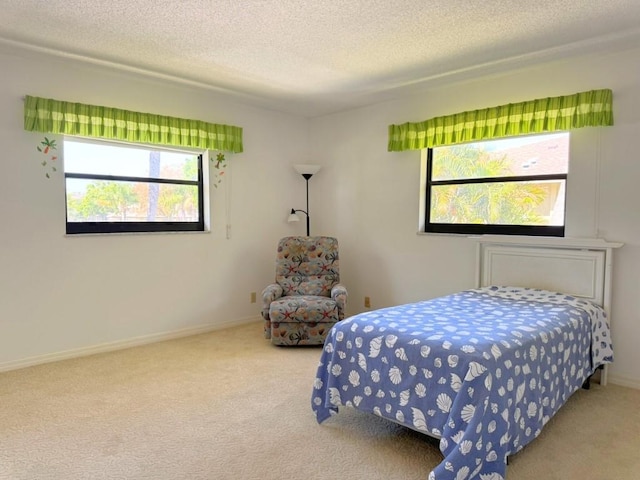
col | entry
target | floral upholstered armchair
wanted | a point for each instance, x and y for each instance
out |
(306, 298)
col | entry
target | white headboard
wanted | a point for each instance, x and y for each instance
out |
(579, 267)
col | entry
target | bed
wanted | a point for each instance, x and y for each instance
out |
(484, 369)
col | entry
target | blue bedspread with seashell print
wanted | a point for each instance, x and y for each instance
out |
(484, 369)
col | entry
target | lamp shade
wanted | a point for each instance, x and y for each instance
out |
(293, 217)
(306, 169)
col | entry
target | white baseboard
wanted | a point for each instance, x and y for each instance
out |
(122, 344)
(624, 381)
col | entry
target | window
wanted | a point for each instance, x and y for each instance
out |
(113, 188)
(512, 186)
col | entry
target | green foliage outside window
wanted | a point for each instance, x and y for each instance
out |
(137, 201)
(482, 203)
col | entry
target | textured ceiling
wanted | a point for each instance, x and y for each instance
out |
(314, 57)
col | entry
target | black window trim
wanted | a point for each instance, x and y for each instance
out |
(487, 229)
(78, 228)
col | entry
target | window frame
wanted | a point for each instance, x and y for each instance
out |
(84, 228)
(487, 229)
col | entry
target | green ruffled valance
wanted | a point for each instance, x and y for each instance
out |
(56, 116)
(584, 109)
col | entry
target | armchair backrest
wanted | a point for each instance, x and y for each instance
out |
(307, 265)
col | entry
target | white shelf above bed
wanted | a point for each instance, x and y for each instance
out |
(556, 242)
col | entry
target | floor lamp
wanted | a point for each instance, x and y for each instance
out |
(307, 171)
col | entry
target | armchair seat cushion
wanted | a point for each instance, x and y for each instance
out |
(303, 308)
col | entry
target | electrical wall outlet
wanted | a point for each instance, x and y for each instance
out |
(253, 297)
(367, 302)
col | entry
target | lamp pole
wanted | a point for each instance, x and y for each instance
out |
(307, 171)
(307, 176)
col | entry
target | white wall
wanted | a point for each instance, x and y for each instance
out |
(374, 197)
(60, 293)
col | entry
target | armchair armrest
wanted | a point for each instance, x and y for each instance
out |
(339, 294)
(270, 293)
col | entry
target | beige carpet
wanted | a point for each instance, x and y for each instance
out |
(229, 405)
